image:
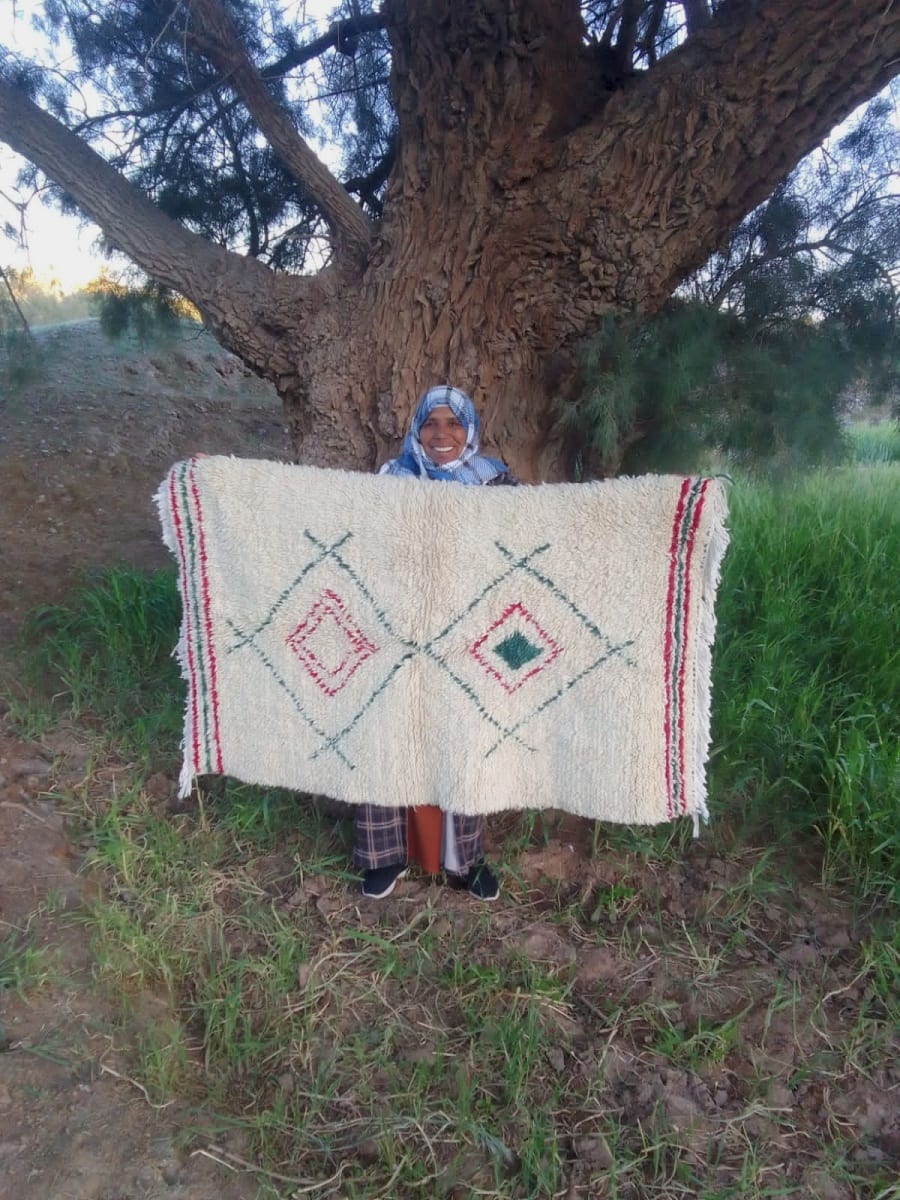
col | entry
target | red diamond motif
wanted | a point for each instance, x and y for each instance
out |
(328, 643)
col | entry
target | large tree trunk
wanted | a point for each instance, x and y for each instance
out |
(537, 186)
(527, 201)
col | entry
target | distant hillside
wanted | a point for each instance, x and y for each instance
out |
(86, 439)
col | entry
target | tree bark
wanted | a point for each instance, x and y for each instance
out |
(531, 193)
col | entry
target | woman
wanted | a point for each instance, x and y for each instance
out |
(442, 444)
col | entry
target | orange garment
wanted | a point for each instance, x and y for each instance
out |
(424, 825)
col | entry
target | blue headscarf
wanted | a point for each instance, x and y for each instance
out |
(470, 467)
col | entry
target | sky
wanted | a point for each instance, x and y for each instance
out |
(55, 247)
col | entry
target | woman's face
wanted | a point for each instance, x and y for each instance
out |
(442, 437)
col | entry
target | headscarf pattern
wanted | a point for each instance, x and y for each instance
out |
(471, 467)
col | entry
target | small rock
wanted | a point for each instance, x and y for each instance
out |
(30, 766)
(869, 1154)
(546, 945)
(171, 1172)
(803, 953)
(597, 963)
(556, 1059)
(821, 1185)
(836, 938)
(682, 1110)
(761, 1128)
(368, 1152)
(594, 1150)
(425, 1052)
(286, 1082)
(158, 786)
(780, 1096)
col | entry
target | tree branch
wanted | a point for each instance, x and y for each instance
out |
(216, 37)
(368, 185)
(337, 37)
(696, 14)
(225, 286)
(696, 159)
(654, 20)
(628, 26)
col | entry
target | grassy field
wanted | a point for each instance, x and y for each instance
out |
(675, 1018)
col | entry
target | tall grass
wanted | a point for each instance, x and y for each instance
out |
(875, 443)
(105, 657)
(805, 715)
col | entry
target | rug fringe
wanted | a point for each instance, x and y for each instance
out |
(162, 500)
(717, 545)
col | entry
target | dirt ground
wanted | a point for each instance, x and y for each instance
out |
(82, 450)
(81, 453)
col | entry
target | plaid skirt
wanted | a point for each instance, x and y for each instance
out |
(379, 838)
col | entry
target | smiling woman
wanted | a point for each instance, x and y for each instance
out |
(443, 436)
(442, 444)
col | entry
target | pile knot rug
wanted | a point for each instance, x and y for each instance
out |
(396, 641)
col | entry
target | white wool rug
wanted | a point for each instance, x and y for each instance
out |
(397, 641)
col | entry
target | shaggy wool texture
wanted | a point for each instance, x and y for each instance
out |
(398, 642)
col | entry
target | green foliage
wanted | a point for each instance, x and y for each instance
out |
(148, 312)
(182, 136)
(757, 359)
(824, 247)
(806, 727)
(106, 656)
(694, 387)
(19, 359)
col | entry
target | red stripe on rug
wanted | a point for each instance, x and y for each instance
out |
(689, 550)
(185, 588)
(207, 618)
(667, 643)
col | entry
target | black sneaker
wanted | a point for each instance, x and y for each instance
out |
(380, 881)
(482, 883)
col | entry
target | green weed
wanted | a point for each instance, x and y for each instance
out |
(21, 962)
(105, 657)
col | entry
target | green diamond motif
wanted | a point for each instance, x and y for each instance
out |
(516, 651)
